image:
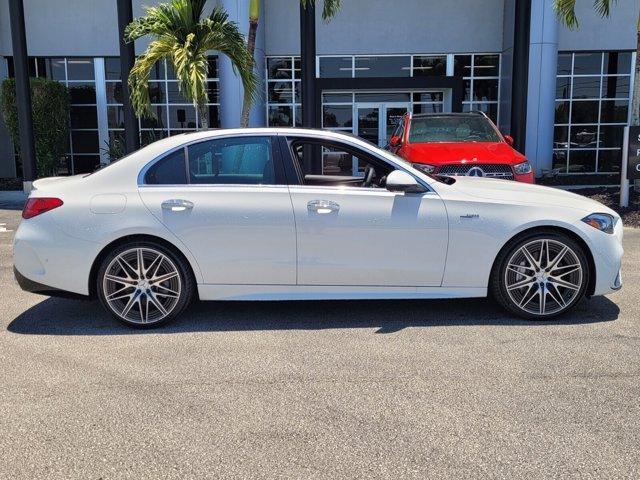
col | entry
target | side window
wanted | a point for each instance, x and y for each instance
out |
(237, 161)
(169, 170)
(338, 165)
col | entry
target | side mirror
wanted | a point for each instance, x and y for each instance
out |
(395, 141)
(508, 139)
(399, 181)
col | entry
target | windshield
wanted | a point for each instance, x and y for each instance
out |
(452, 129)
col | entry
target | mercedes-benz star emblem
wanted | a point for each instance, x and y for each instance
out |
(475, 172)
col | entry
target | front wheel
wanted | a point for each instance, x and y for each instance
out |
(144, 284)
(540, 276)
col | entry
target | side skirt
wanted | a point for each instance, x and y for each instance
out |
(321, 292)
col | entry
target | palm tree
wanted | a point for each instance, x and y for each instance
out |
(183, 36)
(566, 11)
(330, 8)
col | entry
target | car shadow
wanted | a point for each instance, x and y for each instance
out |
(56, 316)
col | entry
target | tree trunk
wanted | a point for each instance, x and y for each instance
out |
(251, 46)
(635, 102)
(203, 112)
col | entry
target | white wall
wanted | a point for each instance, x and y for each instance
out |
(618, 32)
(71, 27)
(401, 26)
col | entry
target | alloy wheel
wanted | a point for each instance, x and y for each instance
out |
(543, 277)
(142, 285)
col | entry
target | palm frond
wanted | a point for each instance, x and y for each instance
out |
(566, 12)
(329, 8)
(603, 7)
(139, 76)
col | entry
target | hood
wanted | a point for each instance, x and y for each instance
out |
(440, 153)
(526, 194)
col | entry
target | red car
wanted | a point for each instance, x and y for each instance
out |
(459, 144)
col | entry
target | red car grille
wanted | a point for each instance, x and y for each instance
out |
(478, 170)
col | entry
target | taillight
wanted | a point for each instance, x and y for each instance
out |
(36, 206)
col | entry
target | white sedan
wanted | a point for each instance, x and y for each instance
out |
(292, 214)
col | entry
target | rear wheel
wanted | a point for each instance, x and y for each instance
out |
(144, 284)
(541, 276)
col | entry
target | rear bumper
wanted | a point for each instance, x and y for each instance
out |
(34, 287)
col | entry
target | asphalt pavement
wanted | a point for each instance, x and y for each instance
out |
(305, 390)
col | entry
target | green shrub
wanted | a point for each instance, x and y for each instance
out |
(50, 107)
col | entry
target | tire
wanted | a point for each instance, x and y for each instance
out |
(149, 298)
(540, 276)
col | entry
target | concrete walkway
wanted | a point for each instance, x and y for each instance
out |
(12, 200)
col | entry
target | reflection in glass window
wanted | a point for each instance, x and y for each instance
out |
(592, 107)
(385, 66)
(336, 67)
(283, 91)
(481, 82)
(235, 161)
(429, 66)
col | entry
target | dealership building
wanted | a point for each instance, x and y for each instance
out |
(563, 94)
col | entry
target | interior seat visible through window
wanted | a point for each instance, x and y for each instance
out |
(337, 165)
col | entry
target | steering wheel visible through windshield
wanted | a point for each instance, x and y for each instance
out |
(452, 129)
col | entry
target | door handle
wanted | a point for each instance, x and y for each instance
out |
(177, 205)
(322, 206)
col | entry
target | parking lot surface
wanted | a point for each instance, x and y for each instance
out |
(366, 389)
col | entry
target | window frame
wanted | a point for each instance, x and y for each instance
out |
(280, 176)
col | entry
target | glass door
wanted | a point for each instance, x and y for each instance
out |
(393, 113)
(376, 122)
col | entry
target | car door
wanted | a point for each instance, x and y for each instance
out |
(227, 200)
(355, 236)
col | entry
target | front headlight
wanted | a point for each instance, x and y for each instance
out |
(602, 221)
(522, 168)
(423, 167)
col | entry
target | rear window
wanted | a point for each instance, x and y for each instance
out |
(452, 129)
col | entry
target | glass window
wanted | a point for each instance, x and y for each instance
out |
(337, 97)
(337, 116)
(563, 87)
(55, 69)
(587, 63)
(586, 87)
(462, 65)
(486, 65)
(610, 160)
(391, 66)
(182, 117)
(159, 120)
(484, 90)
(585, 112)
(80, 69)
(279, 68)
(280, 92)
(582, 161)
(82, 93)
(617, 63)
(336, 67)
(112, 68)
(562, 112)
(169, 170)
(84, 142)
(242, 160)
(83, 117)
(430, 66)
(616, 87)
(564, 63)
(614, 111)
(281, 116)
(584, 136)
